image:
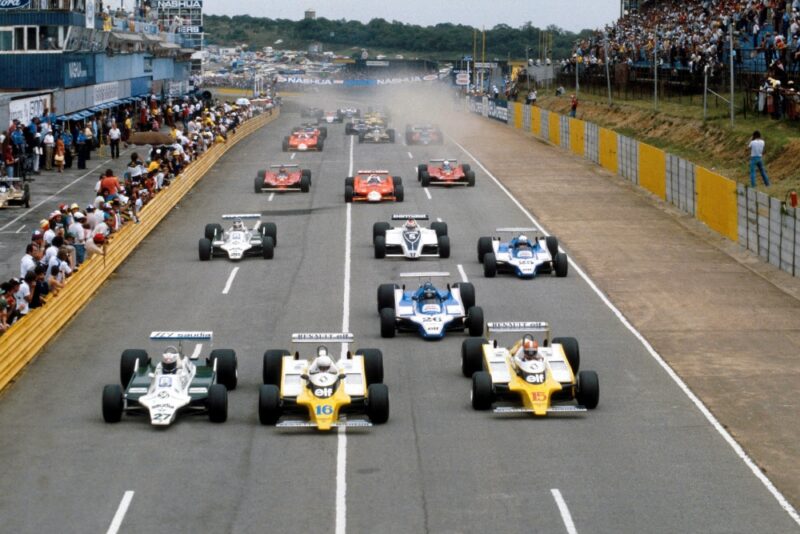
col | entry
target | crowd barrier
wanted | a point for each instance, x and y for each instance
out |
(29, 335)
(764, 225)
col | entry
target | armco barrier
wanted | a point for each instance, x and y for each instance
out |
(653, 170)
(680, 183)
(26, 338)
(563, 132)
(516, 110)
(716, 202)
(591, 149)
(554, 126)
(628, 154)
(608, 148)
(577, 137)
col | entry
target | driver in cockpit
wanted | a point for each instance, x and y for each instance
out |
(373, 179)
(410, 226)
(447, 166)
(238, 225)
(528, 358)
(523, 243)
(323, 363)
(429, 295)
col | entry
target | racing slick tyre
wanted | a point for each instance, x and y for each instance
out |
(482, 395)
(379, 229)
(466, 168)
(440, 228)
(390, 133)
(128, 362)
(323, 132)
(348, 193)
(588, 389)
(378, 403)
(560, 264)
(386, 296)
(484, 247)
(285, 144)
(348, 129)
(422, 167)
(258, 184)
(571, 350)
(204, 249)
(472, 355)
(305, 183)
(270, 229)
(470, 178)
(113, 403)
(380, 247)
(490, 265)
(387, 322)
(444, 246)
(474, 321)
(273, 366)
(306, 172)
(212, 230)
(349, 181)
(552, 245)
(321, 144)
(397, 181)
(360, 137)
(217, 403)
(467, 291)
(373, 365)
(399, 193)
(269, 404)
(227, 367)
(426, 179)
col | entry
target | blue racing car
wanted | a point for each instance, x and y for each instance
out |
(522, 255)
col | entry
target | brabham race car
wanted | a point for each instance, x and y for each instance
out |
(373, 186)
(423, 134)
(239, 241)
(377, 134)
(318, 392)
(13, 192)
(282, 178)
(178, 383)
(429, 311)
(410, 241)
(543, 379)
(445, 172)
(522, 256)
(303, 141)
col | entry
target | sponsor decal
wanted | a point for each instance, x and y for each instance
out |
(179, 4)
(190, 29)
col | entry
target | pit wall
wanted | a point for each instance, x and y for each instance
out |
(764, 225)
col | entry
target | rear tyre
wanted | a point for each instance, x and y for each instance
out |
(426, 179)
(378, 403)
(390, 133)
(571, 350)
(227, 367)
(465, 167)
(387, 322)
(269, 404)
(380, 247)
(482, 394)
(467, 291)
(305, 183)
(128, 362)
(373, 365)
(113, 403)
(490, 265)
(560, 265)
(588, 389)
(306, 172)
(444, 246)
(270, 229)
(204, 249)
(386, 296)
(475, 321)
(258, 184)
(422, 167)
(379, 229)
(552, 245)
(470, 179)
(285, 144)
(440, 228)
(273, 366)
(321, 144)
(212, 230)
(217, 403)
(399, 193)
(323, 132)
(472, 355)
(348, 193)
(397, 181)
(484, 247)
(360, 137)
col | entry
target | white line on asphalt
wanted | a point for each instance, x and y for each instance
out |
(271, 196)
(121, 511)
(230, 280)
(293, 155)
(565, 515)
(740, 452)
(462, 273)
(438, 219)
(196, 351)
(21, 228)
(410, 156)
(428, 193)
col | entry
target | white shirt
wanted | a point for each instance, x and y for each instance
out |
(114, 134)
(49, 140)
(26, 264)
(49, 235)
(76, 230)
(756, 148)
(23, 292)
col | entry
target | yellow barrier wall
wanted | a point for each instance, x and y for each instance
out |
(29, 335)
(608, 149)
(716, 202)
(536, 120)
(517, 107)
(577, 133)
(554, 124)
(653, 170)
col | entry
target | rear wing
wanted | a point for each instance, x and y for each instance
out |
(241, 216)
(285, 166)
(517, 230)
(424, 275)
(329, 337)
(442, 160)
(181, 336)
(405, 216)
(367, 171)
(526, 327)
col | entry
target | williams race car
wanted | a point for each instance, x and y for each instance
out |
(410, 241)
(376, 135)
(522, 256)
(445, 172)
(239, 241)
(429, 311)
(13, 192)
(318, 392)
(283, 178)
(423, 134)
(373, 186)
(178, 383)
(543, 379)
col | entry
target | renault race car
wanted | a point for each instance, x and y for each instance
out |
(330, 117)
(14, 192)
(282, 178)
(239, 241)
(178, 383)
(423, 134)
(377, 134)
(373, 186)
(303, 141)
(543, 379)
(316, 392)
(429, 311)
(522, 256)
(445, 172)
(410, 241)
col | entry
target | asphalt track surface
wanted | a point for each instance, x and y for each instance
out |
(645, 461)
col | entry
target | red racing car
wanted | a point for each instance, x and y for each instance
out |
(302, 141)
(445, 172)
(423, 134)
(373, 186)
(283, 178)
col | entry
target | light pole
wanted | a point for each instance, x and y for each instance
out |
(527, 64)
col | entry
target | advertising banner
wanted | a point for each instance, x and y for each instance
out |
(25, 109)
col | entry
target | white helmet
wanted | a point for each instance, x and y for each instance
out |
(324, 363)
(238, 224)
(446, 164)
(169, 360)
(523, 240)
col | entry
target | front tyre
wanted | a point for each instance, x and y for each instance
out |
(588, 389)
(113, 403)
(490, 265)
(204, 249)
(482, 394)
(378, 403)
(217, 403)
(388, 323)
(444, 246)
(267, 247)
(380, 247)
(560, 265)
(475, 321)
(269, 404)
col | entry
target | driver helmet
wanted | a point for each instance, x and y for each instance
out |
(446, 164)
(429, 292)
(530, 349)
(238, 224)
(411, 224)
(324, 362)
(522, 241)
(282, 170)
(169, 360)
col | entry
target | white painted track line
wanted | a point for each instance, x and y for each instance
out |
(121, 511)
(564, 510)
(21, 228)
(230, 281)
(428, 193)
(293, 155)
(462, 273)
(655, 355)
(438, 219)
(270, 197)
(410, 156)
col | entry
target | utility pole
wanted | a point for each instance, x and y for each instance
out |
(483, 58)
(655, 70)
(527, 64)
(730, 60)
(606, 61)
(474, 57)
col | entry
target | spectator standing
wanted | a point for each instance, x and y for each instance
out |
(573, 107)
(756, 146)
(49, 147)
(59, 154)
(114, 136)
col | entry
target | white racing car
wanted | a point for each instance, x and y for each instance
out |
(522, 256)
(239, 241)
(410, 241)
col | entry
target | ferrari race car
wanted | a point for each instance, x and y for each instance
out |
(377, 134)
(429, 311)
(447, 172)
(283, 177)
(410, 241)
(312, 128)
(318, 392)
(373, 186)
(543, 379)
(13, 192)
(239, 241)
(521, 255)
(423, 134)
(303, 141)
(178, 383)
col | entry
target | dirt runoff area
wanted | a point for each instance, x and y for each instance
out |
(725, 321)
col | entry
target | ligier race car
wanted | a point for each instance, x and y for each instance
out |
(542, 378)
(13, 192)
(373, 186)
(429, 311)
(283, 177)
(445, 172)
(178, 383)
(410, 241)
(239, 241)
(376, 134)
(303, 141)
(350, 113)
(522, 256)
(319, 392)
(423, 134)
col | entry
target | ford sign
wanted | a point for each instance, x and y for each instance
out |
(14, 4)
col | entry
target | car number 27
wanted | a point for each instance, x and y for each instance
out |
(324, 409)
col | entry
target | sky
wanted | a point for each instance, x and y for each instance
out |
(573, 15)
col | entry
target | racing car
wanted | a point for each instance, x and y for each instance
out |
(317, 392)
(329, 117)
(373, 186)
(178, 383)
(429, 311)
(303, 141)
(283, 177)
(311, 112)
(350, 113)
(522, 256)
(312, 128)
(239, 241)
(543, 379)
(445, 172)
(423, 134)
(377, 134)
(410, 241)
(13, 192)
